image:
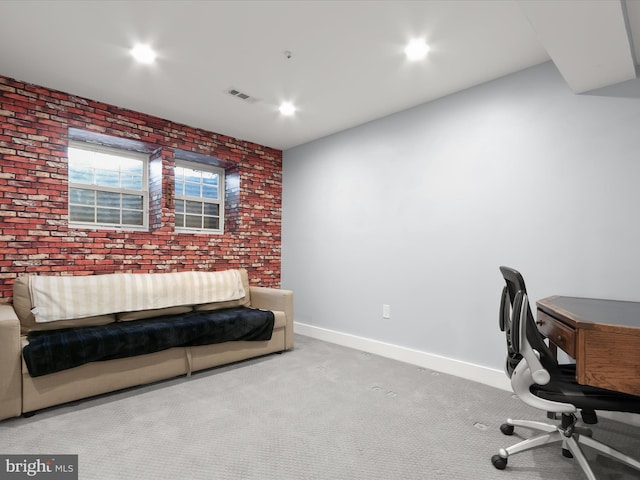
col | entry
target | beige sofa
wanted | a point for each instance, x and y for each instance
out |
(21, 393)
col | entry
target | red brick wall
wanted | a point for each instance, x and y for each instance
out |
(35, 237)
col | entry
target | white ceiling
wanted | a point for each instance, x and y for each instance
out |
(347, 65)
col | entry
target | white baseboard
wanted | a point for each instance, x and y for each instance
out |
(484, 375)
(469, 371)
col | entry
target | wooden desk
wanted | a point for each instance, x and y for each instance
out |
(602, 335)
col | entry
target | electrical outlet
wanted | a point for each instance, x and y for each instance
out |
(386, 311)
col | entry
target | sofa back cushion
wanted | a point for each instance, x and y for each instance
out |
(240, 302)
(68, 297)
(22, 305)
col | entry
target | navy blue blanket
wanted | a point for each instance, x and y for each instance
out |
(55, 350)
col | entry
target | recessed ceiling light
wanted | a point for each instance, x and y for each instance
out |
(287, 108)
(143, 53)
(416, 50)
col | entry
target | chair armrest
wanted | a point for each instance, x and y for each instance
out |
(10, 363)
(538, 373)
(275, 299)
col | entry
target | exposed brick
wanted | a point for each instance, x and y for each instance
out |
(34, 124)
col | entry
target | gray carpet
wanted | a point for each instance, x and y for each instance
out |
(321, 411)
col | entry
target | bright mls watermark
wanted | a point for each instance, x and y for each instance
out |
(50, 467)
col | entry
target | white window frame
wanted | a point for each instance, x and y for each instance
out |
(219, 201)
(144, 191)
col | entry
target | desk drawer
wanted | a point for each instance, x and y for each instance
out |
(557, 332)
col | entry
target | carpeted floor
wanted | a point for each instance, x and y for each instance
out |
(321, 411)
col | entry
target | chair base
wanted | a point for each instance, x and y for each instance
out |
(567, 433)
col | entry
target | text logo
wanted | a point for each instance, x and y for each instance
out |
(49, 467)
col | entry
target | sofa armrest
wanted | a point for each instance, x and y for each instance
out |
(10, 363)
(275, 299)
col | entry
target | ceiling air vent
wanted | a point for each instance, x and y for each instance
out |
(242, 95)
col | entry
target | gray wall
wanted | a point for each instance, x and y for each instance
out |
(417, 210)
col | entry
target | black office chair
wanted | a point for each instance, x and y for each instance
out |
(539, 381)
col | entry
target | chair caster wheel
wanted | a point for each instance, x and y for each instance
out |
(506, 429)
(499, 462)
(567, 453)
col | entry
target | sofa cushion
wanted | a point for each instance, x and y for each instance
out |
(68, 297)
(22, 305)
(140, 314)
(53, 351)
(241, 302)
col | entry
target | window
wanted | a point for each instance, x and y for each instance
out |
(108, 187)
(199, 198)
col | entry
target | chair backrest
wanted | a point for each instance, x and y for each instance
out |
(514, 284)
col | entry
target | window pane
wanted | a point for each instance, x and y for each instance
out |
(81, 166)
(210, 192)
(132, 201)
(131, 166)
(193, 183)
(108, 199)
(211, 209)
(191, 175)
(131, 218)
(194, 207)
(192, 189)
(194, 221)
(82, 196)
(108, 215)
(210, 178)
(133, 182)
(116, 189)
(211, 222)
(107, 178)
(80, 174)
(105, 160)
(80, 158)
(81, 214)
